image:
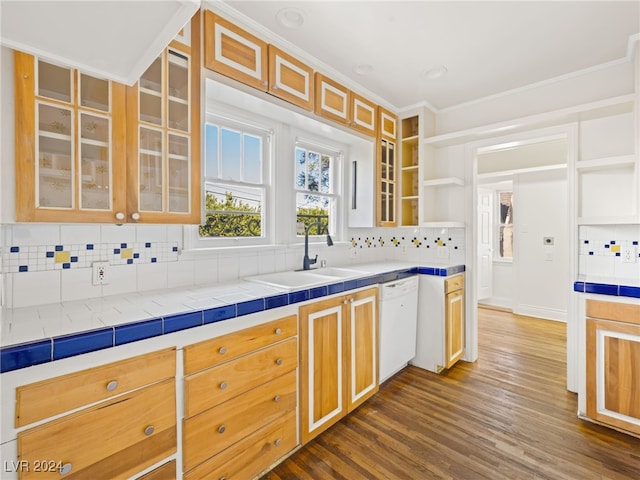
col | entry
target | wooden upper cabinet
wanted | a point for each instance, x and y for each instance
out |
(163, 137)
(290, 79)
(332, 99)
(362, 113)
(93, 150)
(388, 124)
(336, 102)
(70, 144)
(234, 52)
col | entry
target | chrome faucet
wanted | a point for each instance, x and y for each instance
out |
(306, 261)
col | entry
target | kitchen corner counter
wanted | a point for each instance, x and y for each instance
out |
(40, 334)
(607, 286)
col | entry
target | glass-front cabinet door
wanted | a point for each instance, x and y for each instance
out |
(164, 122)
(387, 183)
(69, 144)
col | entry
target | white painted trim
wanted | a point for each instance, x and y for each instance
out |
(280, 61)
(358, 104)
(323, 96)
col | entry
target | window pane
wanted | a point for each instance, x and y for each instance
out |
(230, 167)
(252, 171)
(506, 208)
(211, 151)
(506, 242)
(313, 171)
(325, 174)
(311, 209)
(232, 211)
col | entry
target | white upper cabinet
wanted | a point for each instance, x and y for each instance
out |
(113, 40)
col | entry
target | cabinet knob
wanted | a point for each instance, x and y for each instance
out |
(66, 468)
(279, 361)
(222, 429)
(276, 399)
(112, 385)
(222, 350)
(345, 302)
(278, 442)
(223, 478)
(278, 331)
(135, 216)
(149, 430)
(120, 216)
(223, 385)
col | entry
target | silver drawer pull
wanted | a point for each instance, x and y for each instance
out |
(149, 430)
(279, 361)
(112, 385)
(222, 350)
(276, 399)
(278, 331)
(223, 385)
(222, 429)
(66, 468)
(278, 442)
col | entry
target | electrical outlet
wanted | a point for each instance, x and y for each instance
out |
(100, 272)
(628, 254)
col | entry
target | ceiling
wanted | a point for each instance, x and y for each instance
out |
(115, 39)
(486, 47)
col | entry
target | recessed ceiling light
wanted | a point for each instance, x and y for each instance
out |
(290, 17)
(435, 72)
(363, 69)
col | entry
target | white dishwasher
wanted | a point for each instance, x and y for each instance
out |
(398, 324)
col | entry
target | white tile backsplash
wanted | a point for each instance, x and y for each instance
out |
(157, 264)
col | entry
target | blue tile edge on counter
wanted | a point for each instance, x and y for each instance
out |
(15, 357)
(607, 289)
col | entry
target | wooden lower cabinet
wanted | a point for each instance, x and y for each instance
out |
(613, 364)
(339, 358)
(240, 410)
(114, 439)
(251, 455)
(163, 472)
(454, 320)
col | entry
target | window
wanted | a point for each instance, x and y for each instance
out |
(316, 189)
(235, 187)
(505, 215)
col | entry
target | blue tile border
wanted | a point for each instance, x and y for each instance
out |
(15, 357)
(607, 289)
(133, 332)
(25, 355)
(79, 343)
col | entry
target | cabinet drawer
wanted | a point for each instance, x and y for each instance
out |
(67, 392)
(215, 385)
(111, 440)
(453, 283)
(212, 431)
(163, 472)
(252, 455)
(217, 350)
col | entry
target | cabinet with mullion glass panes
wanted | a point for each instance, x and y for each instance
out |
(65, 124)
(164, 152)
(387, 183)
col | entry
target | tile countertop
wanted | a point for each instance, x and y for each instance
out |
(40, 334)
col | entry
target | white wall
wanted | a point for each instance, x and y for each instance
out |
(541, 272)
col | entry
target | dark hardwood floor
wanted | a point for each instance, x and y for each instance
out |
(506, 416)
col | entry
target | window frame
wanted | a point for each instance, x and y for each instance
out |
(336, 194)
(238, 122)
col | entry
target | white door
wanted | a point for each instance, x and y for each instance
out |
(485, 243)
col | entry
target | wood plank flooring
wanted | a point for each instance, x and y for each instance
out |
(506, 416)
